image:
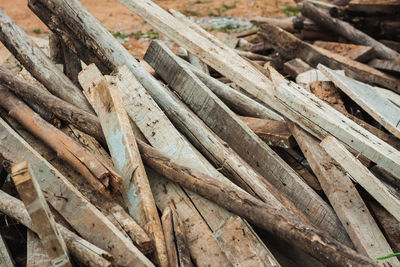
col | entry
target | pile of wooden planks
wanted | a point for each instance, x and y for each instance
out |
(280, 153)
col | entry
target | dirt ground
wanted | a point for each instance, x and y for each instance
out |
(118, 18)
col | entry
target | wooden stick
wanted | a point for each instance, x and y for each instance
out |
(359, 53)
(36, 256)
(168, 229)
(362, 175)
(181, 240)
(121, 141)
(79, 213)
(42, 221)
(346, 30)
(380, 108)
(100, 176)
(52, 104)
(295, 67)
(5, 257)
(342, 194)
(80, 249)
(257, 212)
(385, 65)
(212, 111)
(38, 64)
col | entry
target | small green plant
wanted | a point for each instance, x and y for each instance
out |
(37, 31)
(151, 34)
(226, 6)
(119, 34)
(388, 256)
(188, 12)
(290, 11)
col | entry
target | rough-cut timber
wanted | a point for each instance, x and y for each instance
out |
(85, 121)
(380, 108)
(38, 64)
(295, 67)
(372, 7)
(59, 192)
(181, 239)
(36, 256)
(346, 30)
(5, 257)
(168, 229)
(42, 220)
(362, 175)
(97, 173)
(316, 242)
(251, 253)
(359, 53)
(123, 149)
(290, 46)
(386, 65)
(345, 199)
(243, 141)
(321, 120)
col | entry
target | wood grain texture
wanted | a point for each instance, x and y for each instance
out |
(168, 229)
(36, 256)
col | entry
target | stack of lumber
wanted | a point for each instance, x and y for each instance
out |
(280, 153)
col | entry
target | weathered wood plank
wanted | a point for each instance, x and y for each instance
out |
(38, 64)
(295, 67)
(250, 252)
(168, 229)
(5, 257)
(83, 251)
(385, 65)
(359, 53)
(36, 256)
(374, 6)
(42, 220)
(123, 148)
(238, 136)
(59, 192)
(181, 239)
(362, 175)
(324, 120)
(347, 202)
(380, 108)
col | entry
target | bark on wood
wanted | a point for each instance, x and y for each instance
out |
(295, 66)
(80, 249)
(36, 256)
(347, 202)
(290, 24)
(181, 240)
(38, 64)
(5, 257)
(362, 175)
(381, 109)
(83, 120)
(121, 141)
(359, 53)
(42, 221)
(81, 214)
(212, 111)
(268, 217)
(99, 175)
(291, 46)
(374, 6)
(274, 133)
(386, 65)
(250, 252)
(134, 231)
(320, 120)
(346, 30)
(168, 229)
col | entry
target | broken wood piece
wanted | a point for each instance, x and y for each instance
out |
(289, 45)
(345, 199)
(306, 78)
(5, 257)
(42, 220)
(295, 67)
(79, 213)
(181, 239)
(386, 65)
(362, 175)
(38, 64)
(100, 176)
(359, 53)
(251, 253)
(274, 133)
(257, 212)
(125, 154)
(184, 81)
(36, 256)
(134, 231)
(346, 30)
(381, 109)
(168, 229)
